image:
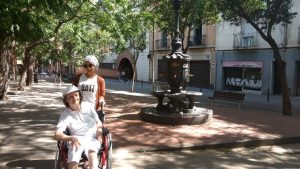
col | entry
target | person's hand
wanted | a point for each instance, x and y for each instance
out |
(102, 101)
(99, 135)
(99, 138)
(75, 143)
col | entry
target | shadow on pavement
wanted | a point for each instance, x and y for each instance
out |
(35, 164)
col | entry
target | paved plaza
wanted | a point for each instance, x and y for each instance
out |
(28, 119)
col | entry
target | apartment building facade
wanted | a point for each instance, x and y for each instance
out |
(201, 48)
(245, 61)
(224, 57)
(150, 66)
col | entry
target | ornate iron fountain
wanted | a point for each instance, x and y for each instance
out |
(180, 107)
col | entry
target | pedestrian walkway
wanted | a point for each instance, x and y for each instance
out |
(28, 120)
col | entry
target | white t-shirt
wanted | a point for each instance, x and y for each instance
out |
(88, 88)
(82, 123)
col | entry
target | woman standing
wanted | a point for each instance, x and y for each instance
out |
(92, 86)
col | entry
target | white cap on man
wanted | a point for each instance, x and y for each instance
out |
(70, 89)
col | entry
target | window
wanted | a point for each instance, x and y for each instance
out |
(164, 40)
(243, 75)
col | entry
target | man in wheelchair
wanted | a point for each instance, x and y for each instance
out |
(84, 126)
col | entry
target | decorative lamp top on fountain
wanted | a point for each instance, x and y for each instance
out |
(178, 65)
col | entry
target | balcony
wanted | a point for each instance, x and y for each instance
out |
(163, 44)
(196, 41)
(245, 40)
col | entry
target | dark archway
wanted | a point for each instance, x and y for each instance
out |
(125, 69)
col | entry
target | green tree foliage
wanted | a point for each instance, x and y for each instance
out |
(30, 24)
(192, 14)
(18, 24)
(128, 25)
(263, 15)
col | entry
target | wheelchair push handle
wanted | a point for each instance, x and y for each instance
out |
(101, 113)
(101, 106)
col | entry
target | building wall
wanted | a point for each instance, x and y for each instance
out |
(287, 39)
(202, 52)
(112, 73)
(143, 65)
(142, 72)
(294, 28)
(290, 55)
(264, 56)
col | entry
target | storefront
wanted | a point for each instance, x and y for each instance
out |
(244, 76)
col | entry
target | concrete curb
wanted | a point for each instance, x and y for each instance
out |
(228, 145)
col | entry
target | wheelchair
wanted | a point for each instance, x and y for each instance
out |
(104, 154)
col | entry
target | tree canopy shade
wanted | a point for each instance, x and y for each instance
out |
(263, 15)
(27, 28)
(19, 23)
(65, 31)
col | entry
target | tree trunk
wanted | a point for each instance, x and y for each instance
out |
(286, 102)
(134, 74)
(4, 68)
(29, 75)
(14, 61)
(133, 77)
(185, 49)
(26, 64)
(282, 80)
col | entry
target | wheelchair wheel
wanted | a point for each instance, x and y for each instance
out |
(109, 153)
(57, 161)
(60, 161)
(106, 155)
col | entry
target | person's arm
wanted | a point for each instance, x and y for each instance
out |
(102, 89)
(76, 79)
(99, 130)
(98, 124)
(59, 135)
(100, 92)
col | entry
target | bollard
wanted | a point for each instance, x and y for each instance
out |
(268, 95)
(35, 77)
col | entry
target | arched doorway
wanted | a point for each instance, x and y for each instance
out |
(125, 69)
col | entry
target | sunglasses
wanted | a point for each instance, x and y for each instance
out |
(89, 65)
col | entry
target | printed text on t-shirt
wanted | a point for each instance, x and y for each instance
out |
(85, 87)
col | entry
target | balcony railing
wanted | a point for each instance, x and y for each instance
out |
(197, 40)
(163, 44)
(245, 40)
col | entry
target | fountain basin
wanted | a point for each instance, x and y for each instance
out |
(196, 116)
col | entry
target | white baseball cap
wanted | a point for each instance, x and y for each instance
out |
(70, 89)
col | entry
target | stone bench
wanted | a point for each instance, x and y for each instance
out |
(228, 96)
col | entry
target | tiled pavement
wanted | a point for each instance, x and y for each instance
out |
(229, 127)
(36, 111)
